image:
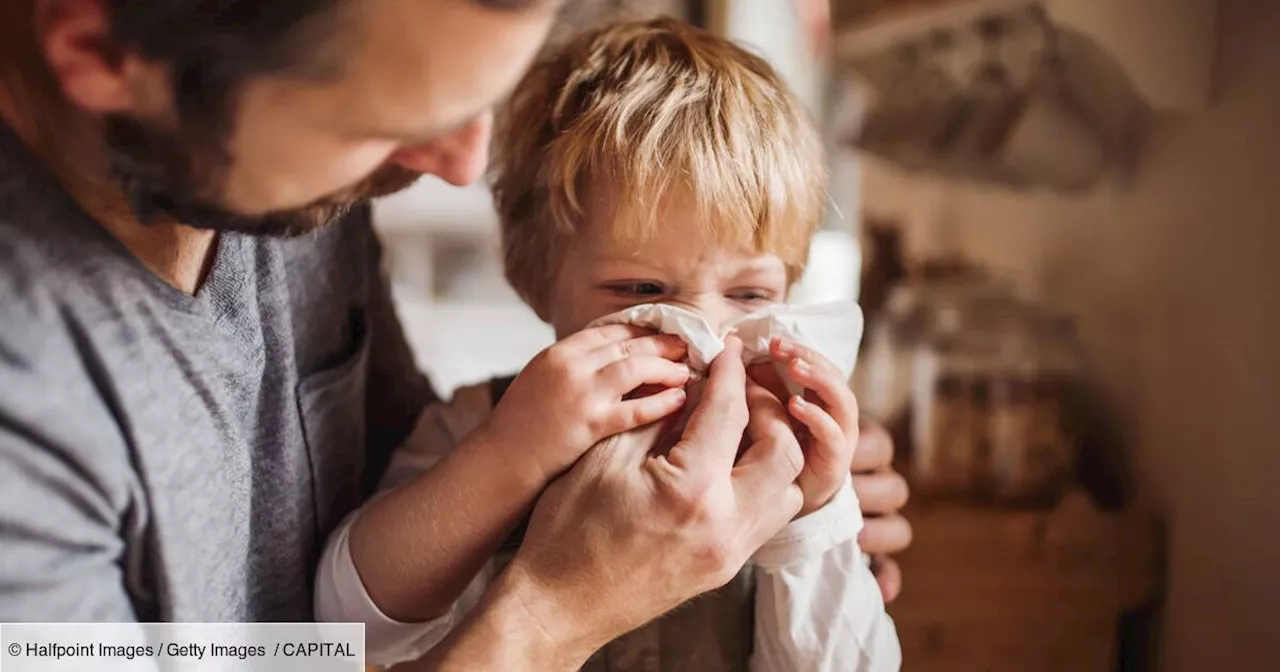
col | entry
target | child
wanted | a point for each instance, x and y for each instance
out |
(654, 163)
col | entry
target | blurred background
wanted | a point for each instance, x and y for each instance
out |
(1058, 216)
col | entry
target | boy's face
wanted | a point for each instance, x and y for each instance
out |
(678, 265)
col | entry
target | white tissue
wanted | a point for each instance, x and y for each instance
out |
(833, 330)
(704, 344)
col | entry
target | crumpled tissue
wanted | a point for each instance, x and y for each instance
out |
(833, 330)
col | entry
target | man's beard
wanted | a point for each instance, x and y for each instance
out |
(170, 176)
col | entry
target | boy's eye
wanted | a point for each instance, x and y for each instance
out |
(636, 288)
(752, 295)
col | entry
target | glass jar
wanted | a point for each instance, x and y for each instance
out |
(1033, 462)
(1011, 414)
(882, 380)
(948, 398)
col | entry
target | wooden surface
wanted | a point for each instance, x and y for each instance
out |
(989, 590)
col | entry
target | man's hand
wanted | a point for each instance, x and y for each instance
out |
(882, 492)
(573, 394)
(635, 528)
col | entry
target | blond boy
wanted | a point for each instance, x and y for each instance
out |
(647, 163)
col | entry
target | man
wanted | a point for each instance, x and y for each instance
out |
(200, 368)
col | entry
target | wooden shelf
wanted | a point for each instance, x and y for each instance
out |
(871, 33)
(1165, 47)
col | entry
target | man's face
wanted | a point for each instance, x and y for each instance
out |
(411, 97)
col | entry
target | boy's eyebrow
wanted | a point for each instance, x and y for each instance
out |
(634, 261)
(763, 263)
(750, 266)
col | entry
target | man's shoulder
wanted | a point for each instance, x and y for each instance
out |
(55, 280)
(51, 406)
(51, 252)
(29, 314)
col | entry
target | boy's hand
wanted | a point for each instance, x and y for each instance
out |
(575, 394)
(827, 415)
(633, 530)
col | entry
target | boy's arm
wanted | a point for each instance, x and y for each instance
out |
(818, 607)
(626, 535)
(418, 546)
(446, 508)
(341, 597)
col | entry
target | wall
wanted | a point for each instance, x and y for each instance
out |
(1175, 271)
(772, 29)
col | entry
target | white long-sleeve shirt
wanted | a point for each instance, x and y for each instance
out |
(817, 606)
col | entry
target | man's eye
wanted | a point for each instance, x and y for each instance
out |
(637, 288)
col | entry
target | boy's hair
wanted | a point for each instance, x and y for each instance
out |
(634, 109)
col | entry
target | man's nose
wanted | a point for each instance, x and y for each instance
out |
(458, 157)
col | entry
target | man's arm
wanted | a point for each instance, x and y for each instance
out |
(518, 626)
(61, 555)
(65, 488)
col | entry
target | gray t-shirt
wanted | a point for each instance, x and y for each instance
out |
(174, 457)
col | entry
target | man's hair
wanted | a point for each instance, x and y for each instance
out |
(636, 110)
(213, 46)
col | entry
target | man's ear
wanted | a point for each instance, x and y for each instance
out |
(93, 72)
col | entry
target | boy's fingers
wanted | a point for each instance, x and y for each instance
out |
(634, 446)
(820, 376)
(785, 350)
(597, 337)
(828, 454)
(625, 375)
(709, 443)
(666, 346)
(609, 340)
(639, 412)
